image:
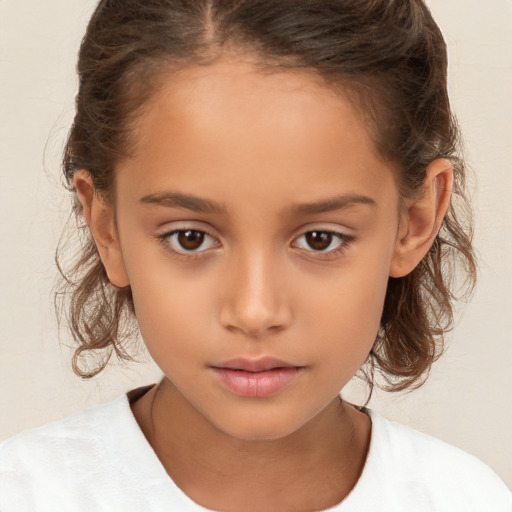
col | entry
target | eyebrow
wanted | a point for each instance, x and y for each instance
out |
(332, 204)
(185, 201)
(172, 199)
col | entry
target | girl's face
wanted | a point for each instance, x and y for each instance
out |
(257, 227)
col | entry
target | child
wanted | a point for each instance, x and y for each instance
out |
(271, 191)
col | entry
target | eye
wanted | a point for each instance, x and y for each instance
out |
(324, 242)
(187, 241)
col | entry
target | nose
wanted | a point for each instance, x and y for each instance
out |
(255, 299)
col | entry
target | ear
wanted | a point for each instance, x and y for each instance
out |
(422, 218)
(100, 218)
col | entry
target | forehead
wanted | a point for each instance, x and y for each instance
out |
(236, 93)
(235, 122)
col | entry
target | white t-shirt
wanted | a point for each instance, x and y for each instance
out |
(99, 460)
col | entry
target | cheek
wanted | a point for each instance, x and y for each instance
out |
(173, 308)
(346, 314)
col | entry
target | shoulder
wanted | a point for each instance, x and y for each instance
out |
(443, 476)
(74, 434)
(48, 461)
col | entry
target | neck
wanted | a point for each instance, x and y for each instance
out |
(313, 468)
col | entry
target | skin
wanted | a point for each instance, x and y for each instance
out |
(258, 144)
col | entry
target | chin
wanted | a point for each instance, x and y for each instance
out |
(259, 427)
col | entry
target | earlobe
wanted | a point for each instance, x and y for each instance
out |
(422, 218)
(100, 219)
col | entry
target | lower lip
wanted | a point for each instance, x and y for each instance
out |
(257, 384)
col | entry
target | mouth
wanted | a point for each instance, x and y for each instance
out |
(256, 378)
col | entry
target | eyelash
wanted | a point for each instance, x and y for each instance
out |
(346, 241)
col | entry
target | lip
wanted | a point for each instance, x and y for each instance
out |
(256, 377)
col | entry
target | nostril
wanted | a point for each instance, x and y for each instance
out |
(253, 322)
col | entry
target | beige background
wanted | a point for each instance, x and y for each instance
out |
(467, 400)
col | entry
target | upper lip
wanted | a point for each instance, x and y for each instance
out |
(254, 365)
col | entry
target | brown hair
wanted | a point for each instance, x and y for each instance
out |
(389, 56)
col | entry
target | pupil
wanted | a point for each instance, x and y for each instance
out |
(319, 240)
(190, 240)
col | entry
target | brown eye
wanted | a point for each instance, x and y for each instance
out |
(319, 240)
(190, 240)
(324, 244)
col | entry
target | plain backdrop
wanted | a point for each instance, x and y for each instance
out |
(467, 400)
